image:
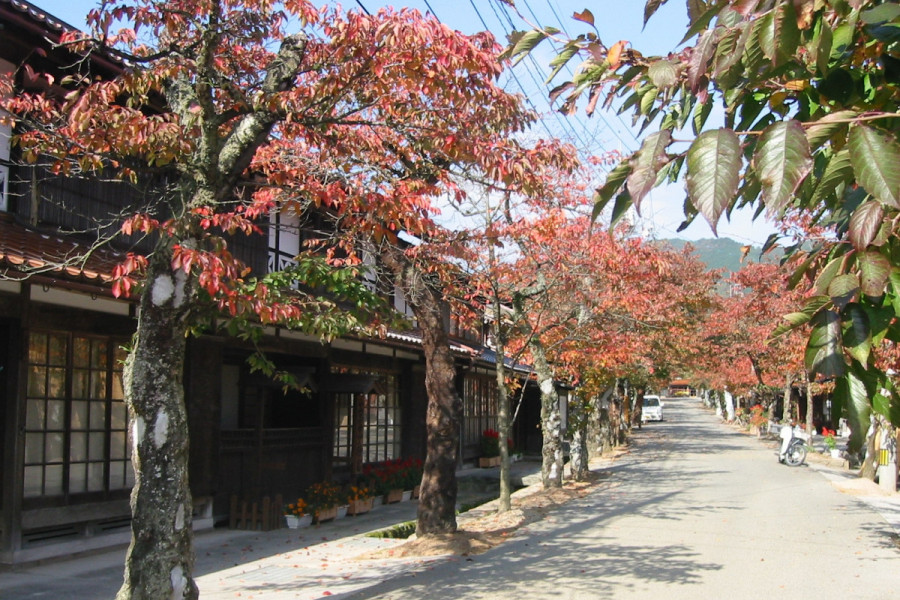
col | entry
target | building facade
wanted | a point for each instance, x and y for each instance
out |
(64, 446)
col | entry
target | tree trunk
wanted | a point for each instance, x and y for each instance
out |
(729, 406)
(579, 427)
(551, 420)
(503, 420)
(869, 467)
(625, 425)
(160, 560)
(638, 412)
(615, 413)
(438, 491)
(809, 409)
(786, 411)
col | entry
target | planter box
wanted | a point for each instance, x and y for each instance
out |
(294, 522)
(486, 463)
(358, 507)
(326, 514)
(415, 492)
(393, 496)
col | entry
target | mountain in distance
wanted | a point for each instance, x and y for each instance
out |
(724, 253)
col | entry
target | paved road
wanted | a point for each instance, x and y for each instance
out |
(696, 511)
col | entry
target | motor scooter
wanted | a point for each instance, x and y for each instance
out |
(795, 453)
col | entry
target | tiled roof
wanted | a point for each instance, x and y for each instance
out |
(24, 251)
(38, 15)
(415, 338)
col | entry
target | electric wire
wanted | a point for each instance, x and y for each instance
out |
(564, 123)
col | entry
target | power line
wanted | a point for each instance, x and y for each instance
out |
(600, 113)
(564, 123)
(527, 99)
(365, 10)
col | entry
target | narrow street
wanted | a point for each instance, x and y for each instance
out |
(697, 511)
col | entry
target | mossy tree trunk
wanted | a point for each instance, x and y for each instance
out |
(160, 560)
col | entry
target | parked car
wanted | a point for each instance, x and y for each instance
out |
(652, 409)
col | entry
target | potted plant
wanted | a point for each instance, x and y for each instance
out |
(360, 499)
(490, 449)
(295, 514)
(830, 442)
(322, 500)
(387, 479)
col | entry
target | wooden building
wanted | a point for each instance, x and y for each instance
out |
(64, 448)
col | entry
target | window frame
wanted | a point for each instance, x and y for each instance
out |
(88, 430)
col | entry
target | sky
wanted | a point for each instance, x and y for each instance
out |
(661, 212)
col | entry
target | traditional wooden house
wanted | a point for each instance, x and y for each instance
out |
(64, 450)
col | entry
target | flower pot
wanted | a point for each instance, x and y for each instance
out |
(487, 462)
(415, 492)
(836, 453)
(358, 507)
(393, 496)
(341, 512)
(407, 495)
(294, 522)
(326, 514)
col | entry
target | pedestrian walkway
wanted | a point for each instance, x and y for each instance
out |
(305, 563)
(323, 561)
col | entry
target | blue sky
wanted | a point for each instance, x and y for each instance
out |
(615, 20)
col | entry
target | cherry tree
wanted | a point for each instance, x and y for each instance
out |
(228, 112)
(809, 92)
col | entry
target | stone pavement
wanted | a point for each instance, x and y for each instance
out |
(305, 563)
(314, 562)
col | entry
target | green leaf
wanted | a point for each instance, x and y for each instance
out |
(828, 273)
(838, 173)
(779, 35)
(561, 60)
(881, 14)
(623, 203)
(699, 24)
(886, 401)
(894, 278)
(875, 156)
(865, 223)
(651, 7)
(730, 48)
(700, 57)
(874, 271)
(701, 114)
(648, 98)
(713, 172)
(856, 333)
(646, 164)
(823, 349)
(663, 73)
(880, 318)
(842, 289)
(823, 46)
(614, 180)
(850, 393)
(782, 160)
(521, 43)
(798, 319)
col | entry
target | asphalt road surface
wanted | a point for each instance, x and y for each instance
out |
(695, 511)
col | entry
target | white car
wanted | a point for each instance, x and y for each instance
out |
(652, 409)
